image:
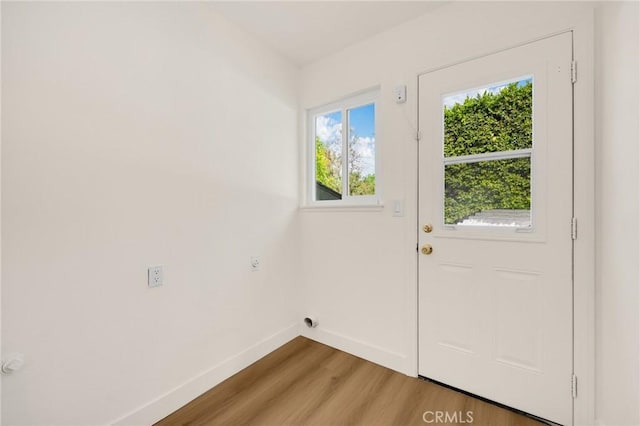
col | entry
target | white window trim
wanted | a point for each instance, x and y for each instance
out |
(488, 156)
(360, 201)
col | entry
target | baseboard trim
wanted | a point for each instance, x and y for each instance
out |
(166, 404)
(358, 348)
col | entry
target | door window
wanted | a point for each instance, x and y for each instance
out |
(487, 149)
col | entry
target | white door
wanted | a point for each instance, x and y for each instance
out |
(496, 191)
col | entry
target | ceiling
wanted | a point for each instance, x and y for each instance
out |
(305, 31)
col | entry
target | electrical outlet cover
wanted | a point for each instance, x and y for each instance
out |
(155, 276)
(255, 263)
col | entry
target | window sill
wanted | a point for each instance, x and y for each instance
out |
(343, 208)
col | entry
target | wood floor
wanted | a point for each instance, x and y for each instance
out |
(307, 383)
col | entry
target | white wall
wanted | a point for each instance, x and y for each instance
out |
(359, 267)
(617, 192)
(137, 134)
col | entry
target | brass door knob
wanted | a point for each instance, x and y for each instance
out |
(427, 249)
(427, 228)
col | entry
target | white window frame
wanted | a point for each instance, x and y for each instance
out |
(490, 156)
(368, 97)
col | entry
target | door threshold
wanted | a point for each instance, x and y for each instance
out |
(483, 399)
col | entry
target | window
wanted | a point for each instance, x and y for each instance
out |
(487, 149)
(342, 143)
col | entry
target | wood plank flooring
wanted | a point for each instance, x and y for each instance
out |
(307, 383)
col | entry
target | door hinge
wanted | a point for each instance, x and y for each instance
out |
(418, 136)
(574, 71)
(574, 228)
(574, 386)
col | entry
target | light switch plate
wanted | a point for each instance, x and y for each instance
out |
(398, 208)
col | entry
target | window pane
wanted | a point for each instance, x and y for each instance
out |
(493, 118)
(362, 150)
(328, 141)
(488, 193)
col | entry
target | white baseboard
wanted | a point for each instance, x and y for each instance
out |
(358, 348)
(166, 404)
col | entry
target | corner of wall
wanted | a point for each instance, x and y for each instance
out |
(181, 395)
(358, 348)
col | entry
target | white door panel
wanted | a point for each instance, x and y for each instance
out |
(495, 302)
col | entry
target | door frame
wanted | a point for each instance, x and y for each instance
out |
(583, 210)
